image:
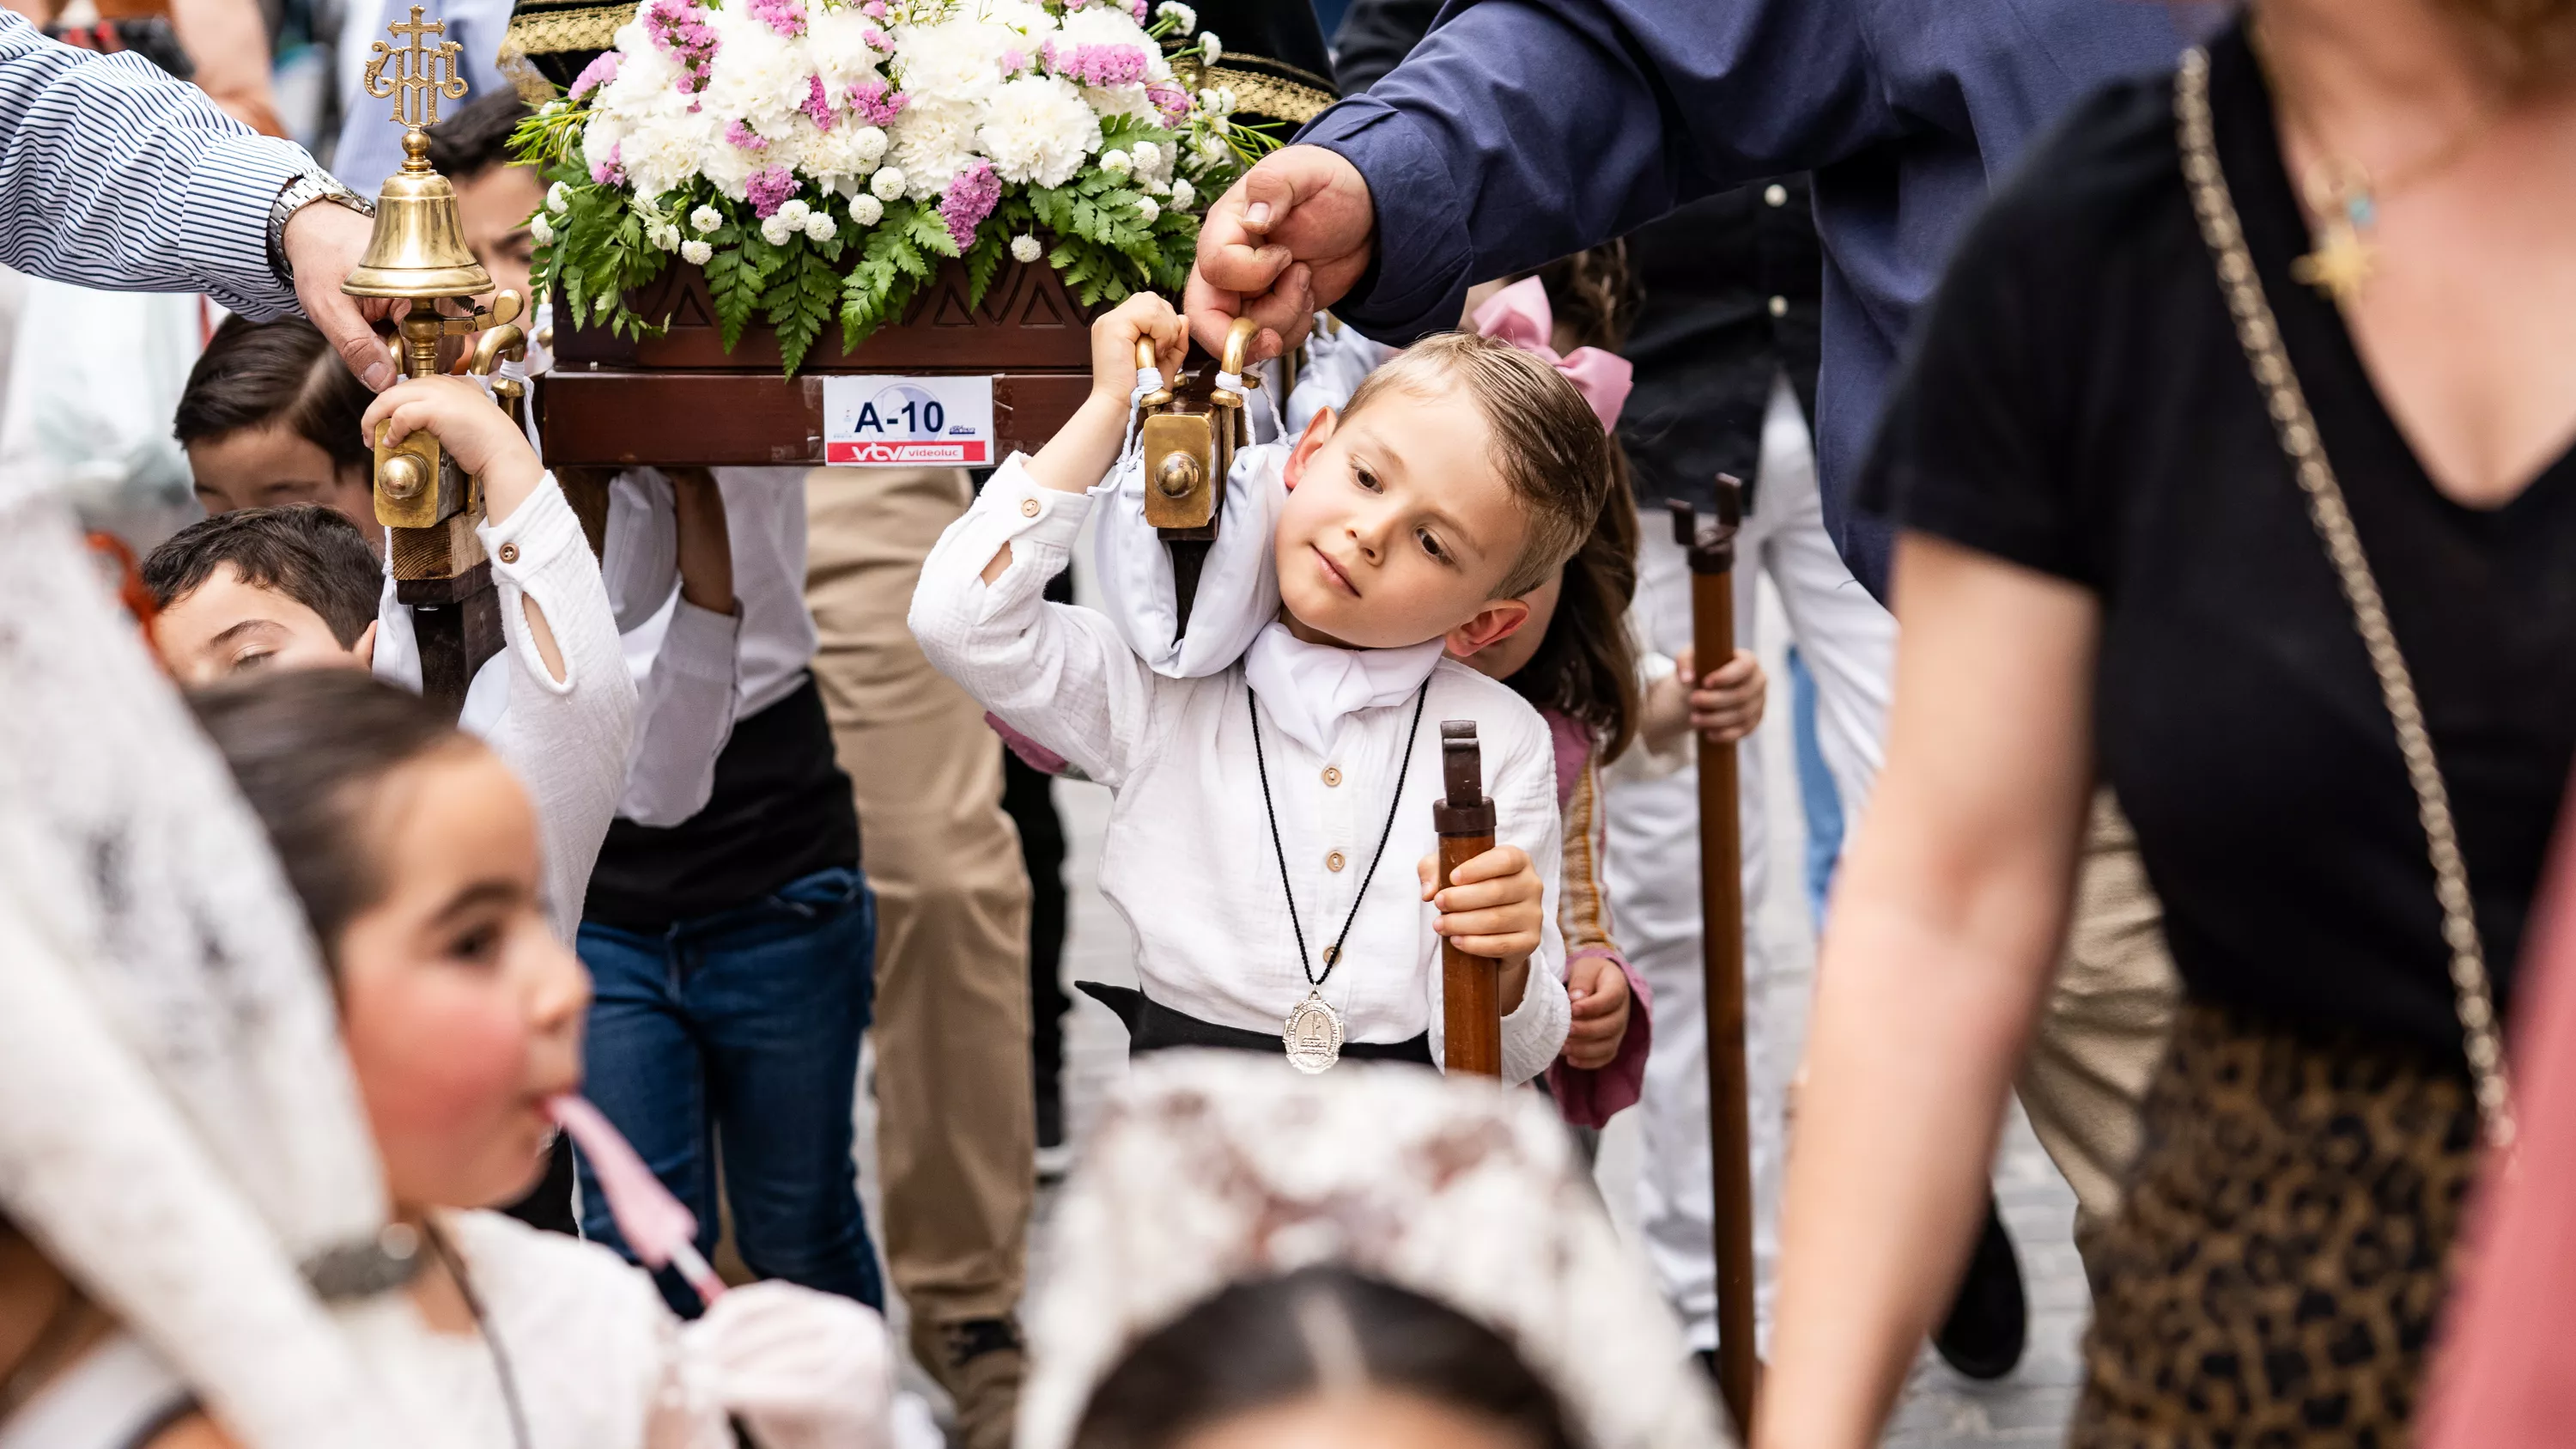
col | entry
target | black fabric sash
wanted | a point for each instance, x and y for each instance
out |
(1154, 1027)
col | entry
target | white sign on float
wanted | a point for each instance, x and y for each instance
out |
(876, 422)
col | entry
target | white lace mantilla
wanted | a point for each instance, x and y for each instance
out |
(1209, 1168)
(177, 1122)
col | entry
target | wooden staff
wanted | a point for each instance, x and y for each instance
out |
(1711, 544)
(1471, 1008)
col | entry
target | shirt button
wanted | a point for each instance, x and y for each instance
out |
(1332, 774)
(509, 553)
(1775, 194)
(1029, 508)
(1334, 861)
(1779, 308)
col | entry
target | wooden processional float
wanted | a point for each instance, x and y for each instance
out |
(682, 398)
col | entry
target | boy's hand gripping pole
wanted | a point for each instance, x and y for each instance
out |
(1471, 1008)
(1711, 545)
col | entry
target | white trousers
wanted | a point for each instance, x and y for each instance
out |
(1652, 865)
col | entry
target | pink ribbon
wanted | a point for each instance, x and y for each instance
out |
(1519, 315)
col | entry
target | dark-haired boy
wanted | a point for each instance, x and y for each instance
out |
(297, 587)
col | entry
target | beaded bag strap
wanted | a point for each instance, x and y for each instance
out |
(2260, 335)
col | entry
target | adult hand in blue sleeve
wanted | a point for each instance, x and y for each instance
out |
(1295, 234)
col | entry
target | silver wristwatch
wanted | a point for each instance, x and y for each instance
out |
(300, 192)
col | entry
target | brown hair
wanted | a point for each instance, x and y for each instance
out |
(1586, 667)
(305, 551)
(1547, 444)
(268, 374)
(1251, 1347)
(477, 138)
(309, 749)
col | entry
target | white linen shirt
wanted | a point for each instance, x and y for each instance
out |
(1188, 860)
(565, 739)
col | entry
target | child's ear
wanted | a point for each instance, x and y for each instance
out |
(1319, 429)
(1496, 622)
(365, 648)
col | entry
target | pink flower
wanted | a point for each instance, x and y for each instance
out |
(1172, 101)
(769, 189)
(817, 106)
(879, 40)
(745, 137)
(1137, 9)
(1014, 61)
(876, 102)
(612, 171)
(784, 16)
(971, 196)
(676, 28)
(874, 9)
(601, 70)
(1097, 65)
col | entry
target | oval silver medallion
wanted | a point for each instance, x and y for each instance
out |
(1313, 1035)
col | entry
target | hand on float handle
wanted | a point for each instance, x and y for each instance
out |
(1292, 236)
(323, 244)
(1598, 992)
(473, 430)
(1725, 705)
(1085, 448)
(1490, 907)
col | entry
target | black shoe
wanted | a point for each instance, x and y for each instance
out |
(1055, 1155)
(1989, 1321)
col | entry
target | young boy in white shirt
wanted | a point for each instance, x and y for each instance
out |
(1256, 808)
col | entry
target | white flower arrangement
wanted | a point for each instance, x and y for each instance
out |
(825, 155)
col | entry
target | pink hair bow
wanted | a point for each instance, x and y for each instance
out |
(1519, 315)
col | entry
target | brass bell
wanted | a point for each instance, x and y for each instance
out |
(418, 251)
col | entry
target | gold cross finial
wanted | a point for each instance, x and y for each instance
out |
(422, 73)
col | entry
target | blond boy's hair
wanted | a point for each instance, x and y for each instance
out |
(1547, 443)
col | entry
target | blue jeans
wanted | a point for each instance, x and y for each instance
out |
(742, 1028)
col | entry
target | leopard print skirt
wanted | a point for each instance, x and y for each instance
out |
(2275, 1271)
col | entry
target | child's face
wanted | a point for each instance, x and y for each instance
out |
(228, 624)
(275, 466)
(461, 1011)
(1398, 528)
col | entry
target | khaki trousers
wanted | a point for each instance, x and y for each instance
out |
(2104, 1029)
(956, 1123)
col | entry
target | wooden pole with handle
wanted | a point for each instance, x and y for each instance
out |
(1711, 545)
(1471, 1015)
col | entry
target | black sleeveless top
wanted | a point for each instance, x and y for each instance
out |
(2077, 403)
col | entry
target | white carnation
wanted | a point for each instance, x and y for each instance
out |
(836, 42)
(1116, 163)
(696, 252)
(793, 211)
(776, 231)
(820, 227)
(667, 149)
(1183, 193)
(931, 142)
(1038, 131)
(955, 60)
(887, 184)
(758, 76)
(866, 210)
(558, 198)
(1105, 25)
(1127, 100)
(541, 229)
(1146, 208)
(705, 219)
(1025, 248)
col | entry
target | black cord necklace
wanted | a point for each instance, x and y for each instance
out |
(1313, 1033)
(483, 1323)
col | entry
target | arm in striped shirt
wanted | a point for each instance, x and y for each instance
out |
(114, 175)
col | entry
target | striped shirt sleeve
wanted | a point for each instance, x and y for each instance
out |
(114, 175)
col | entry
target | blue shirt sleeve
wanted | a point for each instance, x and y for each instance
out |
(1521, 130)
